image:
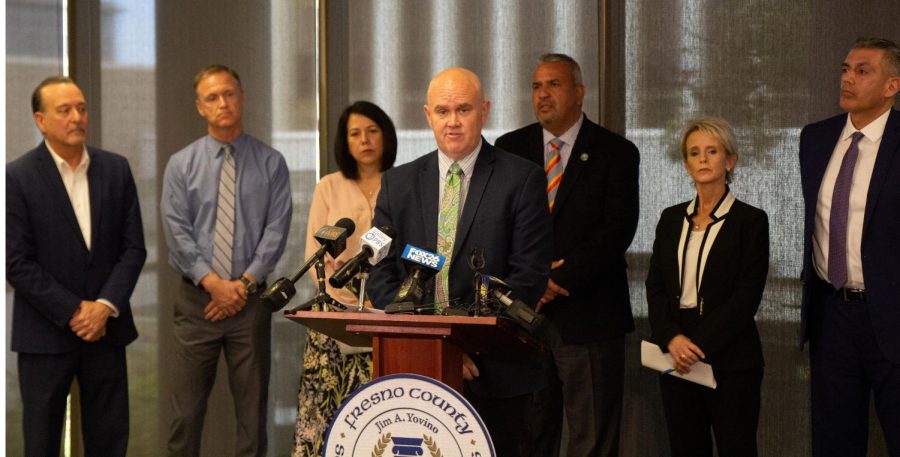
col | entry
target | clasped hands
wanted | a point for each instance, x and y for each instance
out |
(684, 353)
(89, 320)
(227, 297)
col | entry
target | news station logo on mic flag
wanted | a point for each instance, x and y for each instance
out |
(423, 257)
(378, 240)
(330, 233)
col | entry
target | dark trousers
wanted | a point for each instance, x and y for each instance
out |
(731, 410)
(847, 366)
(245, 339)
(516, 424)
(45, 381)
(588, 386)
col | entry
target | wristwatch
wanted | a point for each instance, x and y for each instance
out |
(250, 285)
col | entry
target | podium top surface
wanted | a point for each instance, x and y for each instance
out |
(472, 334)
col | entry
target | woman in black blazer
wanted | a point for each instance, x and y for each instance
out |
(705, 283)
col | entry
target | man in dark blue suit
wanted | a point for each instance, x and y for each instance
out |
(74, 250)
(849, 168)
(592, 191)
(496, 201)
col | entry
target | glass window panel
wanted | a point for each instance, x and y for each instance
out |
(769, 68)
(396, 46)
(295, 134)
(128, 115)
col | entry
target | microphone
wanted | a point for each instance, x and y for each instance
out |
(374, 247)
(516, 309)
(333, 240)
(422, 266)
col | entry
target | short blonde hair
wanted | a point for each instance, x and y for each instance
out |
(721, 130)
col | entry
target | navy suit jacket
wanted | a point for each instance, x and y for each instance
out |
(881, 229)
(47, 261)
(594, 220)
(505, 213)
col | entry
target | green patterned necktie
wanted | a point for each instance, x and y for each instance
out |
(447, 216)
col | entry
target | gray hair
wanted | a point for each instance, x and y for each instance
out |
(213, 69)
(37, 98)
(721, 130)
(562, 58)
(890, 48)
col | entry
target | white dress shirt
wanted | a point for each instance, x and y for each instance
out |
(76, 183)
(691, 283)
(862, 175)
(692, 254)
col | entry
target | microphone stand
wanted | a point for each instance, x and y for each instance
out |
(322, 301)
(363, 275)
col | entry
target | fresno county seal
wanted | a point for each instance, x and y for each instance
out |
(407, 415)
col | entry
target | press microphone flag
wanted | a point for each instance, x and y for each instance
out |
(422, 265)
(418, 256)
(333, 240)
(379, 241)
(374, 246)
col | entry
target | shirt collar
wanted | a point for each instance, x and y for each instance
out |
(873, 131)
(569, 136)
(216, 145)
(61, 163)
(467, 163)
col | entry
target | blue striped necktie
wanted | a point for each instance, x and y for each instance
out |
(223, 241)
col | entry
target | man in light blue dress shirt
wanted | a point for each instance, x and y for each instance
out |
(218, 309)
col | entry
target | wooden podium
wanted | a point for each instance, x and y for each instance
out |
(427, 345)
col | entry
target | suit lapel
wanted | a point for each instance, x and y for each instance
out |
(481, 174)
(95, 183)
(535, 145)
(58, 193)
(887, 153)
(822, 156)
(429, 194)
(578, 159)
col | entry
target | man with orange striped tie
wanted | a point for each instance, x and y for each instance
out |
(592, 195)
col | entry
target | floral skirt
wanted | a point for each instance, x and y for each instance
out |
(328, 378)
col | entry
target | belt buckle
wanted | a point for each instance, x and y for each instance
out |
(852, 294)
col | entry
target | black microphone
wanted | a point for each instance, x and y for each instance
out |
(516, 309)
(333, 240)
(422, 265)
(374, 247)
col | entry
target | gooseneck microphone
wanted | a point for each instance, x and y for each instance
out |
(333, 240)
(374, 247)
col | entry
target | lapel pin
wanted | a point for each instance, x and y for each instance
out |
(583, 157)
